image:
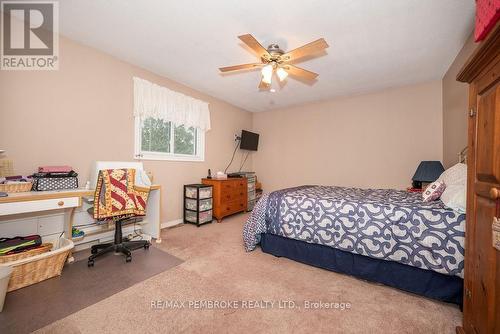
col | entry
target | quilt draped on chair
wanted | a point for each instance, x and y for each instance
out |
(117, 196)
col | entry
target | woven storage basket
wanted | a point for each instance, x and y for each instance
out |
(34, 269)
(18, 187)
(6, 167)
(32, 252)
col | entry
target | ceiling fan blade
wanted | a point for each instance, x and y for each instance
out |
(253, 44)
(240, 67)
(299, 72)
(305, 50)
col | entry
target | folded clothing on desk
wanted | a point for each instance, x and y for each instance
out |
(55, 169)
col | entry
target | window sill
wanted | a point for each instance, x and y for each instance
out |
(165, 157)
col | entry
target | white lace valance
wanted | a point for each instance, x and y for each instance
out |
(152, 100)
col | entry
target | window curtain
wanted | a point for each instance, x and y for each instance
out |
(152, 100)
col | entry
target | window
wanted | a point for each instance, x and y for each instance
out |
(168, 125)
(157, 139)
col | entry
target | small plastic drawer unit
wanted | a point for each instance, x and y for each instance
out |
(197, 204)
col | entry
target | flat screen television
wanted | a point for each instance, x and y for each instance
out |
(249, 140)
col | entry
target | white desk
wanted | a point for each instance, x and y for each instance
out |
(69, 200)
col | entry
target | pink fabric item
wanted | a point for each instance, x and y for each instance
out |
(487, 15)
(433, 191)
(55, 169)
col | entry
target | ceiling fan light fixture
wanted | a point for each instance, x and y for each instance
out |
(267, 73)
(282, 74)
(274, 59)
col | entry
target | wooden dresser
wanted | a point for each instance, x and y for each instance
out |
(482, 233)
(229, 196)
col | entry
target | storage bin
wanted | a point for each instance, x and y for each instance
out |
(204, 217)
(197, 203)
(204, 204)
(34, 269)
(251, 195)
(192, 216)
(192, 192)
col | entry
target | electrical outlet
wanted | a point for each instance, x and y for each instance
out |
(236, 137)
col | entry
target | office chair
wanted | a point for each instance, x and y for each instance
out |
(118, 198)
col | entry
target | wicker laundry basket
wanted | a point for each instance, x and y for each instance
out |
(29, 270)
(6, 167)
(17, 187)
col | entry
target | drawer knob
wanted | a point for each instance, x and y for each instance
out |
(494, 193)
(60, 203)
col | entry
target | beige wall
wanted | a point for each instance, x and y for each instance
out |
(83, 112)
(455, 106)
(374, 140)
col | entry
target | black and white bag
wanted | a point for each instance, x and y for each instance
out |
(47, 181)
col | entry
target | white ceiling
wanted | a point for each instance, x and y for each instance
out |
(373, 44)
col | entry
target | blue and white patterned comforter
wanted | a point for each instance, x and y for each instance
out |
(380, 223)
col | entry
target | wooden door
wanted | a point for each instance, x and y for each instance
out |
(482, 281)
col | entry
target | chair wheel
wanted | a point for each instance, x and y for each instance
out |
(128, 259)
(93, 251)
(90, 263)
(146, 246)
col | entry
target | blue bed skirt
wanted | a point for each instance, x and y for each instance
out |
(419, 281)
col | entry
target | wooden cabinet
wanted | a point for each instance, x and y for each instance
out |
(229, 196)
(482, 259)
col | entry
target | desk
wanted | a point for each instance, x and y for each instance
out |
(69, 200)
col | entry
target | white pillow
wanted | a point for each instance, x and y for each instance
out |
(454, 197)
(456, 174)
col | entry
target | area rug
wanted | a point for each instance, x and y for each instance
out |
(36, 306)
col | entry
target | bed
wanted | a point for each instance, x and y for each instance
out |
(381, 235)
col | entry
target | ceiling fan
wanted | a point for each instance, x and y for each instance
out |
(273, 59)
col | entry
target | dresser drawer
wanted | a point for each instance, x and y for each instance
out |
(232, 185)
(232, 194)
(229, 208)
(40, 205)
(229, 196)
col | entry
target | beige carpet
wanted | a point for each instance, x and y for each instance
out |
(216, 267)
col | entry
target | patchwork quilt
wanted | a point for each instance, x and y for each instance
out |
(380, 223)
(117, 196)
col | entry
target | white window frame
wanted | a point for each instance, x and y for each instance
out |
(146, 155)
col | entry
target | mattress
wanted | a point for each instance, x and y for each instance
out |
(385, 224)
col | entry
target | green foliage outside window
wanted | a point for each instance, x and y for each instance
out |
(156, 136)
(184, 140)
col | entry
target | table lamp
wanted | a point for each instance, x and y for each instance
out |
(427, 172)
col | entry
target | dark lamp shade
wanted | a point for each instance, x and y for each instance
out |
(428, 171)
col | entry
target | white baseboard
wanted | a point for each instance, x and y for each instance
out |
(172, 223)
